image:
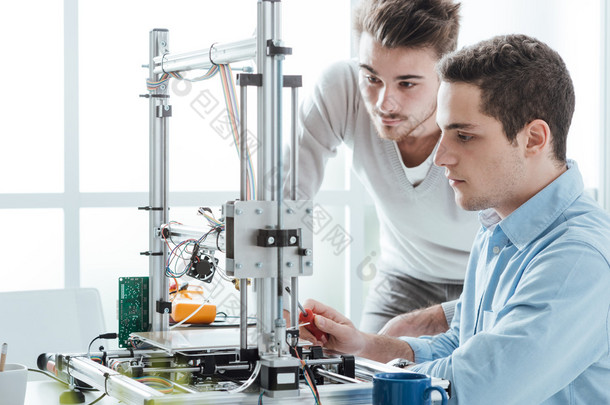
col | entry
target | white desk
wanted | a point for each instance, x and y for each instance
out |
(48, 392)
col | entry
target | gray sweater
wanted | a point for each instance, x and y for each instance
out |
(423, 233)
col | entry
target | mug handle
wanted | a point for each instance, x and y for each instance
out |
(440, 390)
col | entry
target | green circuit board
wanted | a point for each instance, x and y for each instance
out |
(133, 307)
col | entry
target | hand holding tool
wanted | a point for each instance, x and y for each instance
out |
(307, 316)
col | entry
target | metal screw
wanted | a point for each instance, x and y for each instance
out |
(238, 266)
(238, 212)
(166, 310)
(308, 252)
(163, 43)
(166, 108)
(162, 87)
(308, 264)
(290, 211)
(259, 265)
(289, 264)
(309, 210)
(258, 211)
(270, 240)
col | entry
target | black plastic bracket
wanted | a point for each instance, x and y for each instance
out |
(277, 237)
(249, 79)
(149, 208)
(164, 111)
(164, 307)
(256, 79)
(348, 367)
(273, 50)
(293, 81)
(149, 253)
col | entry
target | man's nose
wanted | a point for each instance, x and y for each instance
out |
(443, 155)
(387, 103)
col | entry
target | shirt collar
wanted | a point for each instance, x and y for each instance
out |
(529, 220)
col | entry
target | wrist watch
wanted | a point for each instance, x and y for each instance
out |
(401, 363)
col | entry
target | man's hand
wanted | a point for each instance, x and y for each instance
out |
(344, 337)
(428, 321)
(342, 334)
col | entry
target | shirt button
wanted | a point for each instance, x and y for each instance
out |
(496, 250)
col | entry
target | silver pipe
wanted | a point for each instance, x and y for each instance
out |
(111, 382)
(243, 313)
(243, 142)
(337, 377)
(278, 87)
(243, 161)
(266, 291)
(294, 301)
(158, 189)
(294, 166)
(318, 362)
(229, 367)
(171, 370)
(294, 157)
(219, 54)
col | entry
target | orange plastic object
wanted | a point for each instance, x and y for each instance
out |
(181, 310)
(312, 328)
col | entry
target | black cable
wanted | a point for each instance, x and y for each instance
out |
(217, 237)
(312, 378)
(102, 336)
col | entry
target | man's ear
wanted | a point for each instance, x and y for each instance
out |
(538, 137)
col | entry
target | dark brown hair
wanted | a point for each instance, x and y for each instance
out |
(521, 79)
(410, 23)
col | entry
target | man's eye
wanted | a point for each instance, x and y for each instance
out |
(406, 84)
(372, 79)
(463, 138)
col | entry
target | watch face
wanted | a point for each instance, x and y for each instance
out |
(400, 363)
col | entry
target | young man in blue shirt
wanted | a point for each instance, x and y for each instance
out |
(532, 325)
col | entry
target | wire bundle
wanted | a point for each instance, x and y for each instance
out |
(183, 251)
(309, 379)
(228, 86)
(159, 383)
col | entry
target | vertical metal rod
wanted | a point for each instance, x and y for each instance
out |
(243, 143)
(294, 156)
(243, 147)
(264, 288)
(158, 128)
(279, 85)
(294, 301)
(294, 176)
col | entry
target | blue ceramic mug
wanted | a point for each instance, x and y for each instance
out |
(403, 389)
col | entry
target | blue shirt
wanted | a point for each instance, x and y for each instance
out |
(532, 324)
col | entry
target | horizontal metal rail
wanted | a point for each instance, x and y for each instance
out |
(215, 54)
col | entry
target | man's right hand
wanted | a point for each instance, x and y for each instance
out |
(344, 337)
(342, 334)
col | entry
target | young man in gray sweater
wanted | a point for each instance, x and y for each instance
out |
(383, 107)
